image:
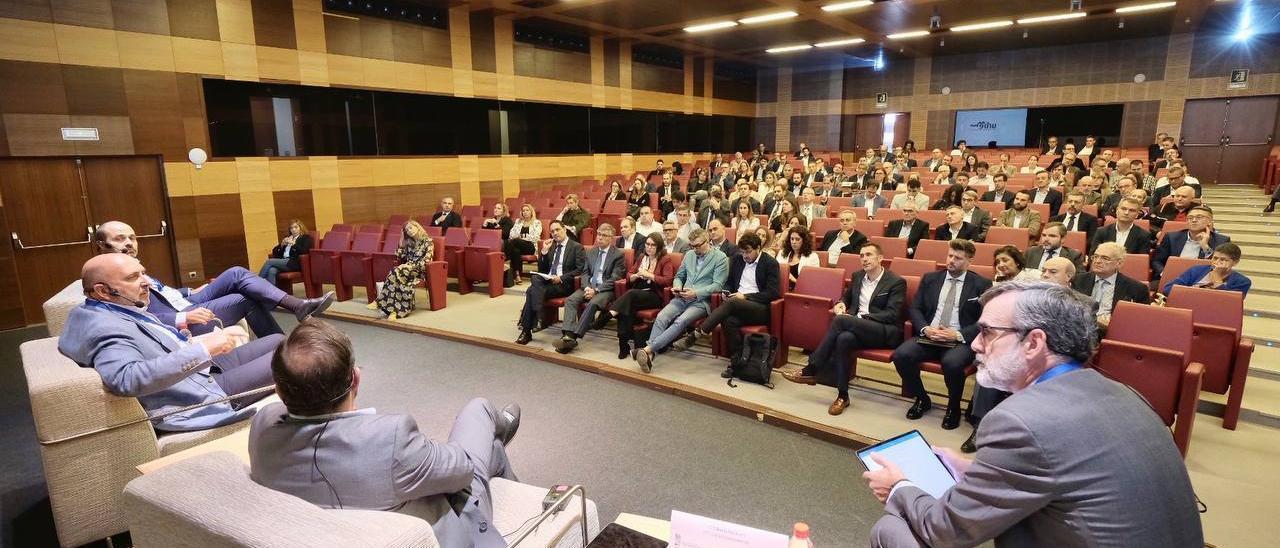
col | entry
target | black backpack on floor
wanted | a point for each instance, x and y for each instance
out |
(754, 362)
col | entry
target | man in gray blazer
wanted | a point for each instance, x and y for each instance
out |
(1047, 473)
(138, 355)
(320, 447)
(975, 215)
(605, 265)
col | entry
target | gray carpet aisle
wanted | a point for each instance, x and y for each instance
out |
(635, 450)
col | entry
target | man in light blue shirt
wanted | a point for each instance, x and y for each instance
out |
(702, 272)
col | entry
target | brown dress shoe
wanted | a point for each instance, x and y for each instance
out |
(838, 406)
(798, 376)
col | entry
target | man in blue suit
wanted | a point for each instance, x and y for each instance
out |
(1197, 241)
(236, 294)
(138, 355)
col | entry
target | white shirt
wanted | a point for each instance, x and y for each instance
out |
(647, 229)
(905, 231)
(807, 211)
(1057, 252)
(866, 292)
(954, 321)
(743, 226)
(747, 284)
(683, 232)
(988, 180)
(1122, 236)
(968, 216)
(1190, 249)
(1041, 196)
(1104, 291)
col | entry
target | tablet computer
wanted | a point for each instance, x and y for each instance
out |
(917, 460)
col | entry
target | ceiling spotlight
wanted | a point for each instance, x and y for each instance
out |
(1146, 7)
(768, 17)
(908, 34)
(935, 20)
(842, 6)
(785, 49)
(834, 43)
(1051, 18)
(711, 26)
(981, 26)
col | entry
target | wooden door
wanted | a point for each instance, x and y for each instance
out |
(48, 227)
(868, 131)
(1203, 123)
(1250, 130)
(131, 189)
(901, 129)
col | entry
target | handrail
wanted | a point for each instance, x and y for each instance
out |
(163, 229)
(552, 510)
(17, 242)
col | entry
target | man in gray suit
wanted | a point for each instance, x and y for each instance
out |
(140, 356)
(604, 266)
(320, 447)
(1046, 472)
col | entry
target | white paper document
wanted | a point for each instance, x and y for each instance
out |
(694, 531)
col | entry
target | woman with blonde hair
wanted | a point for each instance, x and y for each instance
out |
(500, 220)
(522, 239)
(396, 297)
(637, 198)
(286, 257)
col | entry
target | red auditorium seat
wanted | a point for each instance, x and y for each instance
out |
(1218, 318)
(870, 227)
(454, 242)
(1175, 266)
(935, 218)
(369, 228)
(806, 309)
(398, 219)
(932, 250)
(482, 262)
(1149, 348)
(885, 355)
(351, 266)
(318, 265)
(1003, 235)
(849, 263)
(342, 227)
(435, 279)
(985, 271)
(1137, 266)
(892, 247)
(912, 267)
(820, 226)
(994, 208)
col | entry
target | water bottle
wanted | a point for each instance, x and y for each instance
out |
(800, 536)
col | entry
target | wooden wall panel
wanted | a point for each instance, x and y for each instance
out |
(31, 10)
(490, 189)
(483, 52)
(376, 204)
(435, 43)
(655, 78)
(4, 140)
(186, 234)
(612, 63)
(273, 23)
(154, 113)
(375, 39)
(539, 62)
(293, 204)
(193, 19)
(149, 16)
(85, 13)
(221, 228)
(342, 36)
(37, 134)
(406, 43)
(32, 88)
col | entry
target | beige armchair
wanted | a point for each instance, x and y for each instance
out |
(86, 474)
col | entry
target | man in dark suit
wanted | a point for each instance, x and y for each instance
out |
(560, 260)
(719, 240)
(1052, 147)
(871, 199)
(1134, 238)
(908, 227)
(1184, 198)
(1042, 194)
(628, 238)
(1075, 219)
(974, 215)
(658, 169)
(754, 281)
(944, 316)
(955, 227)
(1107, 286)
(1000, 193)
(936, 160)
(604, 265)
(1197, 241)
(869, 317)
(668, 194)
(1047, 473)
(1051, 246)
(773, 204)
(846, 239)
(373, 461)
(742, 193)
(714, 207)
(446, 217)
(1124, 185)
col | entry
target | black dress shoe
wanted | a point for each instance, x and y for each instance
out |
(727, 373)
(314, 306)
(566, 344)
(541, 325)
(951, 420)
(919, 408)
(968, 446)
(601, 321)
(525, 337)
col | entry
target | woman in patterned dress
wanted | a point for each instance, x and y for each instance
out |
(396, 298)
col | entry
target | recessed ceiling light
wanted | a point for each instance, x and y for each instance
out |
(1050, 18)
(981, 26)
(784, 49)
(841, 6)
(908, 34)
(711, 26)
(834, 43)
(1146, 7)
(768, 17)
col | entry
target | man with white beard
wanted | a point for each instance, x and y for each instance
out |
(1070, 459)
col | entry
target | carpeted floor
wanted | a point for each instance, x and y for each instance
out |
(635, 450)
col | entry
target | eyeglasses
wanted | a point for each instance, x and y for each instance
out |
(1198, 217)
(992, 332)
(700, 244)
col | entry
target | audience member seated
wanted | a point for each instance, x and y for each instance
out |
(1134, 238)
(560, 260)
(615, 191)
(648, 276)
(1051, 246)
(912, 195)
(671, 238)
(776, 199)
(1124, 185)
(637, 198)
(522, 239)
(1012, 265)
(236, 294)
(752, 284)
(936, 160)
(1032, 166)
(1177, 178)
(1022, 216)
(744, 221)
(1089, 189)
(139, 356)
(646, 224)
(809, 206)
(719, 239)
(1075, 218)
(668, 194)
(701, 273)
(287, 255)
(605, 264)
(573, 217)
(1042, 194)
(1046, 473)
(1106, 285)
(320, 447)
(1221, 274)
(714, 206)
(845, 239)
(501, 220)
(1000, 192)
(797, 253)
(782, 220)
(1197, 241)
(1059, 270)
(955, 227)
(742, 195)
(871, 199)
(397, 298)
(869, 317)
(1184, 198)
(446, 217)
(974, 215)
(628, 238)
(909, 228)
(952, 196)
(945, 315)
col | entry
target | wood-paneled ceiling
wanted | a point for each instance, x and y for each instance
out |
(663, 21)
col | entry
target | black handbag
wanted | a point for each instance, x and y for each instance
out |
(754, 362)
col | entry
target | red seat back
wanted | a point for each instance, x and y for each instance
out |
(1075, 239)
(871, 227)
(933, 217)
(340, 227)
(398, 219)
(988, 272)
(1137, 266)
(820, 226)
(994, 208)
(1218, 318)
(932, 250)
(1003, 235)
(457, 237)
(892, 247)
(336, 241)
(903, 266)
(392, 241)
(489, 239)
(985, 254)
(820, 282)
(1175, 266)
(366, 241)
(1159, 350)
(615, 207)
(850, 264)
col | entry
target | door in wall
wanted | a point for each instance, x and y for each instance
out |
(1224, 140)
(50, 206)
